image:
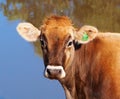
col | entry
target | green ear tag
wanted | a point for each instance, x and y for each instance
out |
(85, 36)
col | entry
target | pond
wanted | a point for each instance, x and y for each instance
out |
(21, 63)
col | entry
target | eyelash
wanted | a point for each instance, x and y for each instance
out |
(69, 44)
(43, 43)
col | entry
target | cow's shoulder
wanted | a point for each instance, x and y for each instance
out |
(107, 39)
(107, 47)
(109, 36)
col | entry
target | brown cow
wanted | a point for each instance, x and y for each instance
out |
(85, 61)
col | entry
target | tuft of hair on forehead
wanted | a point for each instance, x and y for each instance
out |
(57, 21)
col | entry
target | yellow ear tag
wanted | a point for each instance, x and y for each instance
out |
(85, 36)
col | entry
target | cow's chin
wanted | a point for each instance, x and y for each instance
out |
(54, 72)
(53, 77)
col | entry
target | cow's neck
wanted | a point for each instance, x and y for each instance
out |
(74, 82)
(68, 84)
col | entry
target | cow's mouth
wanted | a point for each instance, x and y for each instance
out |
(54, 72)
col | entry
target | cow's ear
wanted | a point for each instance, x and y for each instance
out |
(85, 34)
(28, 31)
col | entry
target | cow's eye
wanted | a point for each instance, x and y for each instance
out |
(43, 43)
(70, 43)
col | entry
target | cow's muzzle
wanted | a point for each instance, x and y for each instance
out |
(54, 72)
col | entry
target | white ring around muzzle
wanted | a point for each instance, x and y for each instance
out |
(63, 74)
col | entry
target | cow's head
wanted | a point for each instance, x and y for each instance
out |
(58, 40)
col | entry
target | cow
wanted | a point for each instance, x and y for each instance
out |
(85, 61)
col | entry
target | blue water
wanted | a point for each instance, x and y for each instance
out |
(21, 70)
(21, 67)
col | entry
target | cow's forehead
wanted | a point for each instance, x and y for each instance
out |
(58, 32)
(57, 28)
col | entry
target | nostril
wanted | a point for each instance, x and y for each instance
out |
(59, 71)
(54, 71)
(49, 71)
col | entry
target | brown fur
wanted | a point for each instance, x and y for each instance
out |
(95, 69)
(57, 21)
(92, 67)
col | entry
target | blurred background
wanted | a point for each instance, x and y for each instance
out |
(21, 64)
